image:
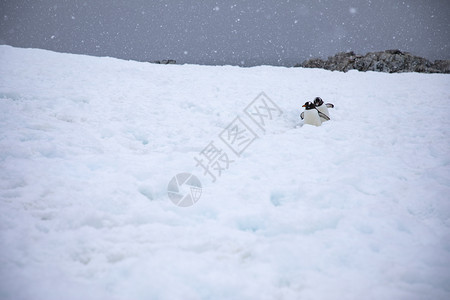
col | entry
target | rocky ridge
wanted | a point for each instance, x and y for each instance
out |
(390, 61)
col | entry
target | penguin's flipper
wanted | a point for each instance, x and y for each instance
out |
(302, 115)
(330, 105)
(324, 116)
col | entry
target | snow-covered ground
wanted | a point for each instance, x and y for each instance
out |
(358, 208)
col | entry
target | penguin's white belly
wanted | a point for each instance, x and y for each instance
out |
(323, 109)
(312, 117)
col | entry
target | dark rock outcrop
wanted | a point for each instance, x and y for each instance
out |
(443, 65)
(390, 61)
(165, 62)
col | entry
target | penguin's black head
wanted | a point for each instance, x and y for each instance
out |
(318, 101)
(309, 105)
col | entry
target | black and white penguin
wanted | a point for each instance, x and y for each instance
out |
(323, 108)
(311, 114)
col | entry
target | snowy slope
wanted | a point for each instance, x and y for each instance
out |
(357, 208)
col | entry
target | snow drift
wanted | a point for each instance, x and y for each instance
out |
(356, 208)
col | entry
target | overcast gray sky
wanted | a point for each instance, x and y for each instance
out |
(277, 32)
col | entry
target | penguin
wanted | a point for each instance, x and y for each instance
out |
(323, 108)
(311, 115)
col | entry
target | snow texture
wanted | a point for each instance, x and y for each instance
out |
(357, 208)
